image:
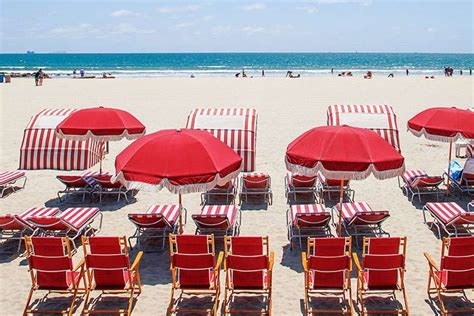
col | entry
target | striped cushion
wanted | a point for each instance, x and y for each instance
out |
(77, 217)
(23, 218)
(169, 211)
(307, 209)
(229, 210)
(8, 176)
(349, 210)
(446, 211)
(410, 175)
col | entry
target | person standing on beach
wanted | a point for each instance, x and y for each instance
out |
(263, 73)
(82, 72)
(39, 77)
(332, 71)
(407, 72)
(460, 72)
(470, 72)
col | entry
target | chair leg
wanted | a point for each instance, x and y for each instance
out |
(405, 300)
(86, 302)
(28, 301)
(71, 307)
(130, 301)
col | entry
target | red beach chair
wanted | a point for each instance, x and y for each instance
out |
(465, 182)
(76, 185)
(298, 185)
(14, 227)
(455, 273)
(327, 271)
(220, 220)
(333, 186)
(220, 194)
(106, 186)
(71, 223)
(358, 219)
(8, 180)
(51, 269)
(194, 271)
(248, 265)
(382, 272)
(450, 217)
(157, 222)
(307, 220)
(418, 182)
(256, 184)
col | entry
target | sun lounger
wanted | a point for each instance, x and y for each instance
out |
(157, 222)
(358, 219)
(307, 220)
(110, 272)
(8, 180)
(194, 271)
(465, 182)
(71, 223)
(333, 186)
(256, 185)
(299, 186)
(104, 186)
(455, 274)
(450, 217)
(418, 182)
(382, 272)
(221, 194)
(51, 269)
(76, 185)
(327, 271)
(14, 227)
(248, 266)
(470, 206)
(219, 220)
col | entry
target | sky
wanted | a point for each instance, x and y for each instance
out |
(237, 26)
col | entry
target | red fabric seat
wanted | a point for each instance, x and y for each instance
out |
(73, 181)
(195, 271)
(248, 272)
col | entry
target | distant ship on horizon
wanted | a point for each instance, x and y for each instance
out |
(30, 52)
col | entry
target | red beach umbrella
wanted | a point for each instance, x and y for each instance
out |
(103, 124)
(181, 160)
(444, 124)
(343, 153)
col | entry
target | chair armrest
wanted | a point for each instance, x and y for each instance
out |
(219, 261)
(136, 263)
(271, 260)
(80, 264)
(304, 261)
(431, 261)
(357, 263)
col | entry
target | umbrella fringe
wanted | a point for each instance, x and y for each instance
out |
(90, 135)
(439, 138)
(344, 175)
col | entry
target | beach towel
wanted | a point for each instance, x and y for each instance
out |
(455, 169)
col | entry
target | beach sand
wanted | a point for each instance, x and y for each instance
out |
(286, 108)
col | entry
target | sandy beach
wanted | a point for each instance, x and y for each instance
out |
(286, 108)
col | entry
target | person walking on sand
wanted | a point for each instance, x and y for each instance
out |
(39, 77)
(407, 72)
(263, 73)
(82, 73)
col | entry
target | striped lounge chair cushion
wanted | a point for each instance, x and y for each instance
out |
(77, 217)
(7, 177)
(447, 212)
(306, 209)
(349, 210)
(27, 214)
(169, 211)
(411, 175)
(228, 210)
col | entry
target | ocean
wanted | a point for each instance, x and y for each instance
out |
(227, 64)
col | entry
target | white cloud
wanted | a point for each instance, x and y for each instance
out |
(309, 9)
(254, 6)
(207, 17)
(123, 13)
(431, 30)
(184, 25)
(250, 30)
(179, 9)
(76, 31)
(126, 28)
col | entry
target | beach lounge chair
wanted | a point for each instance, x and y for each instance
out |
(157, 222)
(299, 186)
(248, 265)
(464, 183)
(104, 186)
(454, 275)
(71, 223)
(333, 186)
(257, 185)
(76, 185)
(382, 272)
(220, 220)
(8, 180)
(470, 206)
(450, 217)
(51, 269)
(14, 227)
(327, 271)
(109, 271)
(220, 194)
(418, 182)
(307, 220)
(194, 271)
(358, 219)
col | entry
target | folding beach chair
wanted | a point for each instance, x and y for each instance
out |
(14, 227)
(298, 185)
(109, 271)
(455, 273)
(450, 217)
(257, 185)
(307, 220)
(71, 223)
(51, 269)
(418, 182)
(8, 180)
(105, 186)
(465, 182)
(327, 271)
(248, 265)
(220, 220)
(358, 219)
(76, 185)
(382, 272)
(194, 271)
(333, 186)
(220, 194)
(157, 222)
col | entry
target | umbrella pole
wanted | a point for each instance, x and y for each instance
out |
(100, 158)
(449, 167)
(180, 213)
(341, 199)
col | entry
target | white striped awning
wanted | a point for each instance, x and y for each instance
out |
(7, 177)
(379, 118)
(237, 127)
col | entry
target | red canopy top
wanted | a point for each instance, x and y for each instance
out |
(183, 161)
(100, 123)
(343, 153)
(443, 124)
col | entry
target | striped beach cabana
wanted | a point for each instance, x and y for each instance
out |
(379, 118)
(42, 149)
(237, 127)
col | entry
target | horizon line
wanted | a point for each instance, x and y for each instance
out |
(241, 52)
